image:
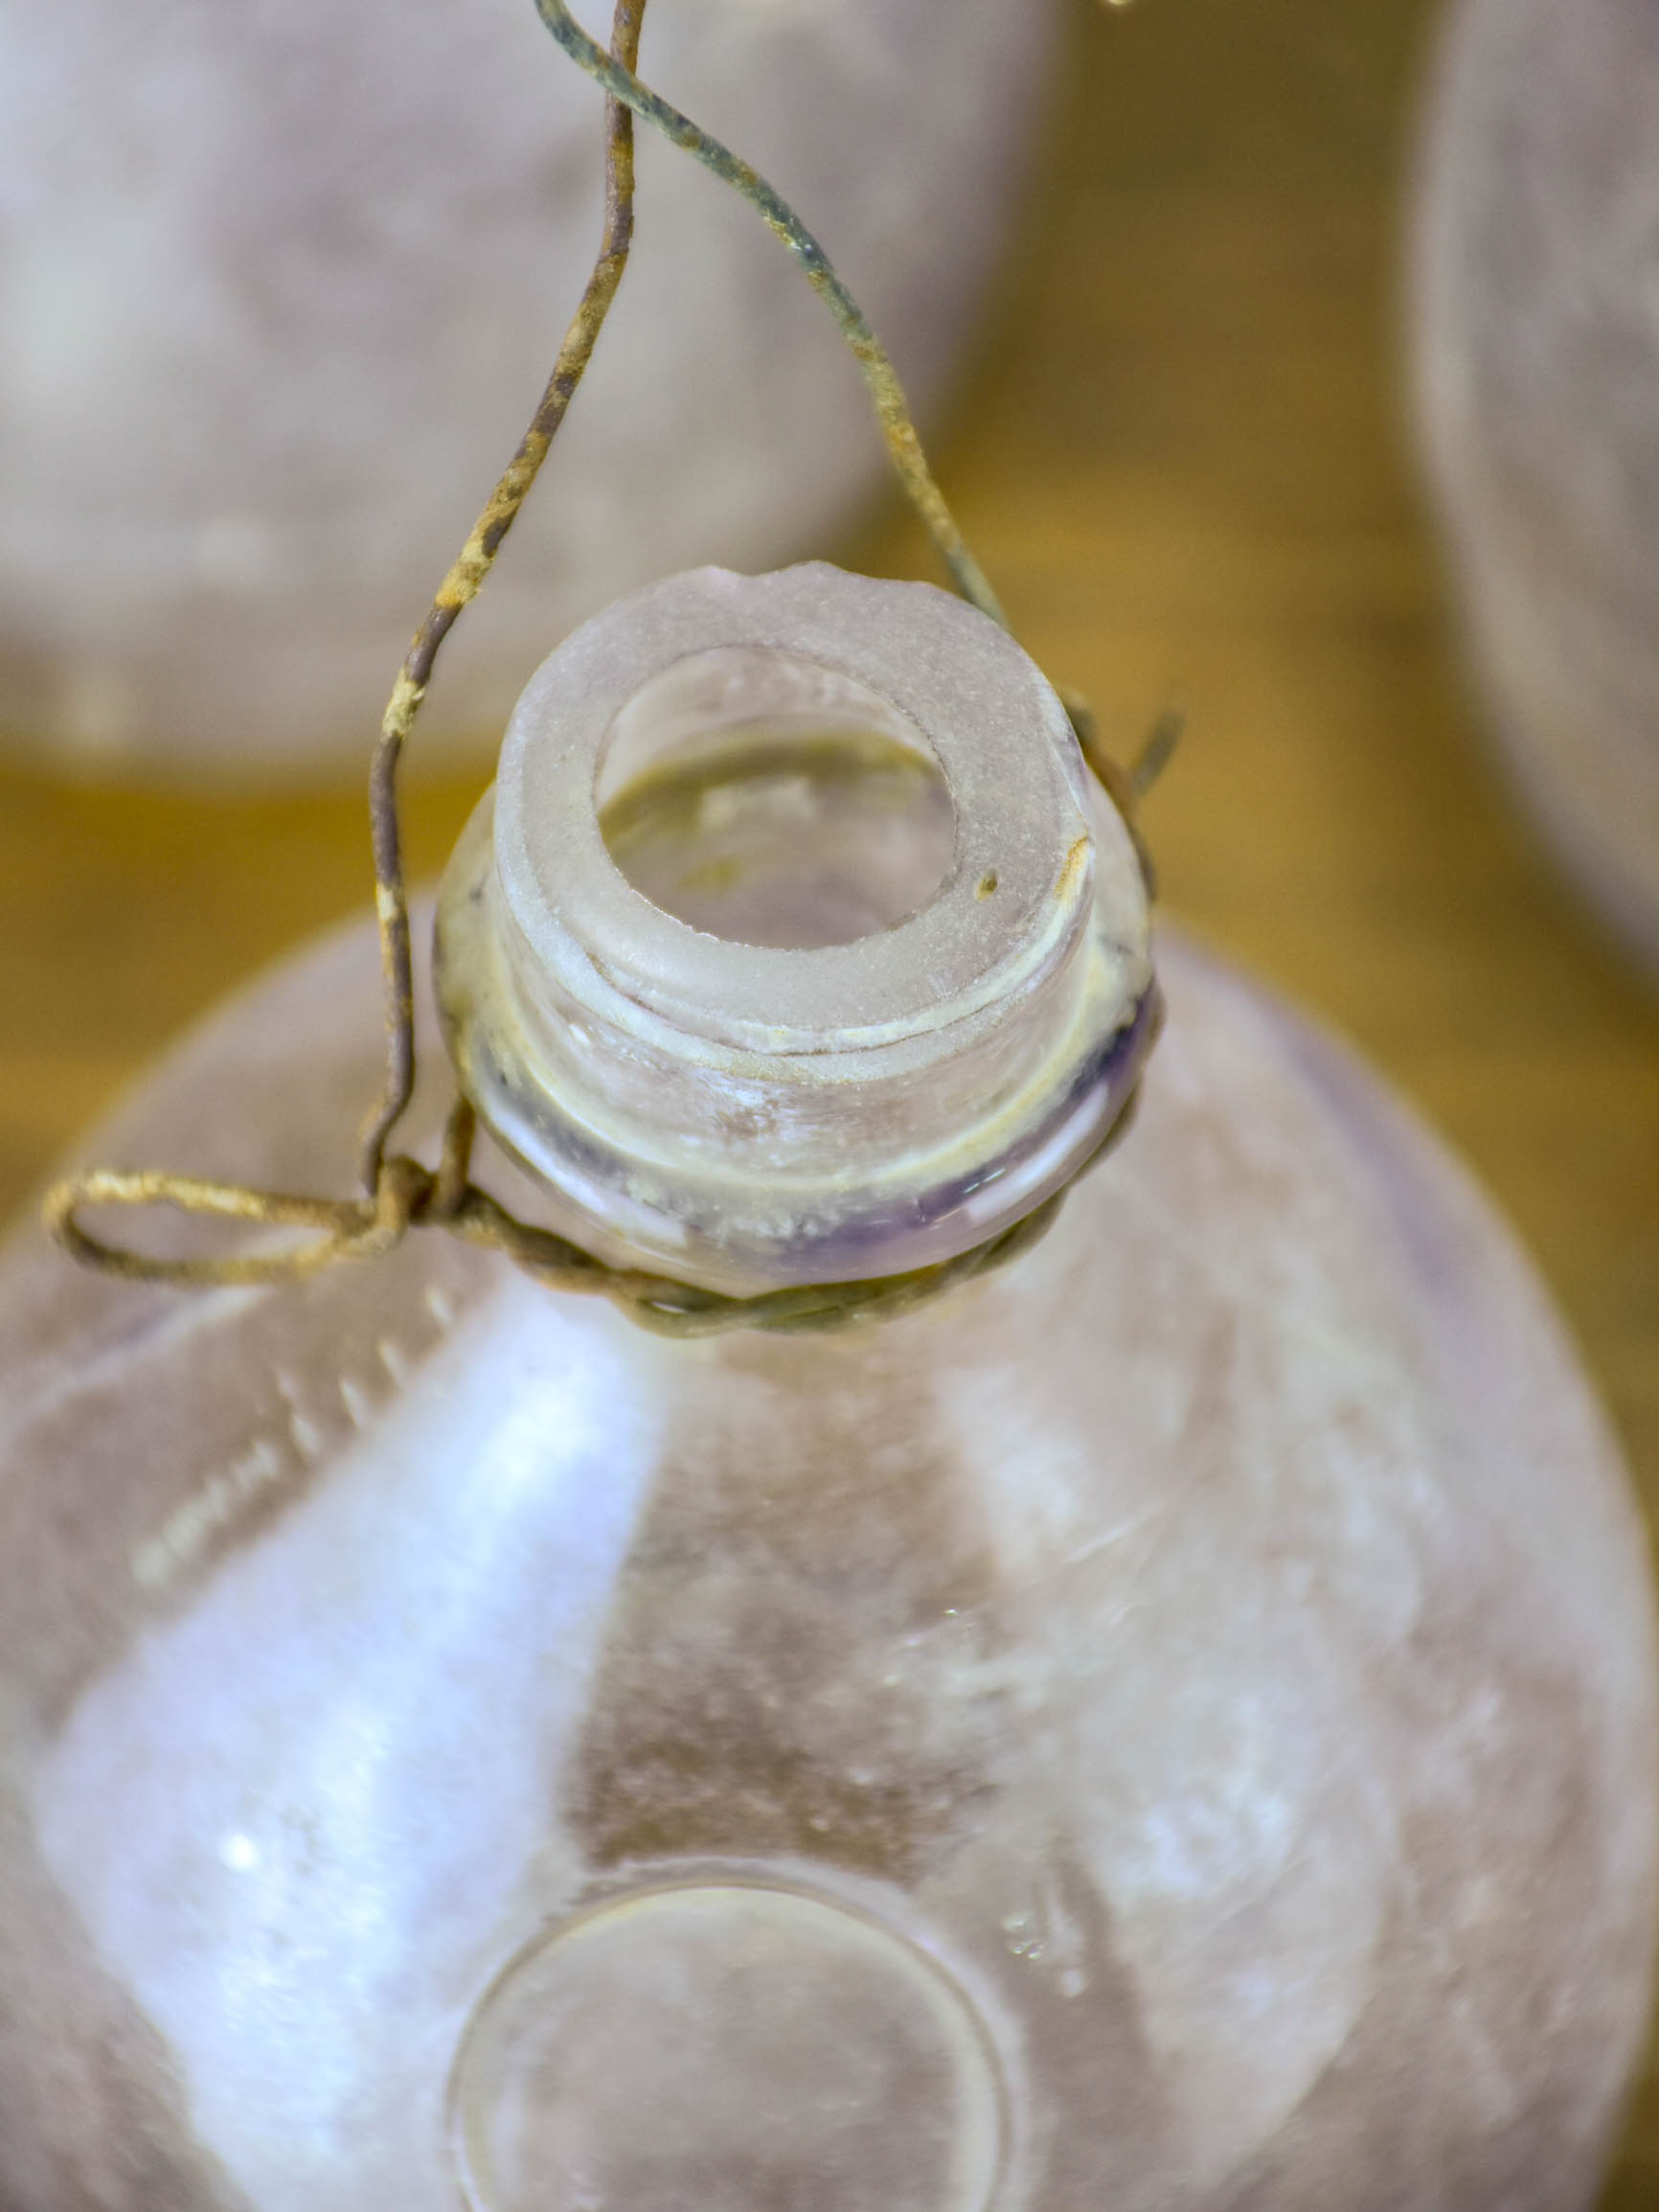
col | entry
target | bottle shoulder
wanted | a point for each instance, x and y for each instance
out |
(1277, 1252)
(1142, 1626)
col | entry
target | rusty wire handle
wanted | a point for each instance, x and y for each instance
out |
(460, 586)
(904, 446)
(341, 1228)
(394, 1199)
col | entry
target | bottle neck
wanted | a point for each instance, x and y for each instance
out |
(794, 943)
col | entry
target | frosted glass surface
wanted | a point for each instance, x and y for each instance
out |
(1538, 372)
(1170, 1728)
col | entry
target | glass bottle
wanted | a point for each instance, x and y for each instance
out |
(333, 249)
(1536, 360)
(1168, 1724)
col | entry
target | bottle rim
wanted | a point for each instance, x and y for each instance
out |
(763, 1114)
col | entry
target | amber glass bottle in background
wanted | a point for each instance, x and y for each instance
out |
(1167, 1725)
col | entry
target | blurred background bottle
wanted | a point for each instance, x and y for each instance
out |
(279, 289)
(1169, 1724)
(1535, 336)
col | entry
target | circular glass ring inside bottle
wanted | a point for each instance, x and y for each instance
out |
(727, 2043)
(770, 800)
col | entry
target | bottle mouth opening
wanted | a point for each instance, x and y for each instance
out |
(804, 814)
(767, 799)
(792, 946)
